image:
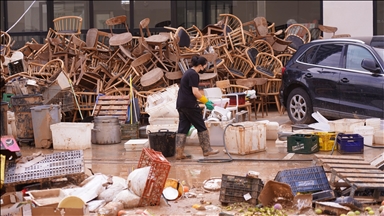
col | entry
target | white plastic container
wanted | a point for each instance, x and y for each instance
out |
(165, 109)
(345, 125)
(272, 129)
(71, 136)
(378, 137)
(373, 122)
(136, 144)
(246, 138)
(366, 132)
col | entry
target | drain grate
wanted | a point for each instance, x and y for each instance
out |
(54, 165)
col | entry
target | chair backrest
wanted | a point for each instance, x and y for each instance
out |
(223, 84)
(117, 22)
(213, 93)
(68, 25)
(91, 38)
(184, 39)
(144, 25)
(261, 26)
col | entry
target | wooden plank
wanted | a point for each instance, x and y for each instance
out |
(114, 102)
(114, 108)
(352, 170)
(339, 157)
(344, 161)
(112, 113)
(369, 185)
(334, 165)
(366, 180)
(114, 97)
(361, 175)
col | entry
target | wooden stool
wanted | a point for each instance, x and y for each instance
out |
(152, 77)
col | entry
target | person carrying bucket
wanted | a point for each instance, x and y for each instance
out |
(189, 110)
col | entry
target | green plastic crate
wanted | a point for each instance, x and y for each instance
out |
(303, 144)
(7, 98)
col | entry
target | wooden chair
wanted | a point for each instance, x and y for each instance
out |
(117, 22)
(229, 89)
(298, 34)
(284, 58)
(233, 31)
(328, 29)
(240, 68)
(259, 85)
(211, 71)
(272, 90)
(68, 25)
(5, 43)
(258, 46)
(47, 70)
(267, 65)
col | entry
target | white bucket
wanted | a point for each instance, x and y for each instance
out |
(373, 122)
(246, 137)
(379, 137)
(366, 132)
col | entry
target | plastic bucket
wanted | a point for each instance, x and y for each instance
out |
(22, 107)
(366, 132)
(42, 118)
(163, 141)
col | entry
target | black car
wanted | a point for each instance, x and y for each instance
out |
(339, 78)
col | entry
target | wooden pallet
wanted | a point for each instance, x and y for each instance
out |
(356, 173)
(112, 106)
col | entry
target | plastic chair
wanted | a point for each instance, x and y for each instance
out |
(217, 94)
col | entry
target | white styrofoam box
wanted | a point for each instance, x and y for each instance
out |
(62, 80)
(157, 98)
(366, 132)
(136, 144)
(165, 109)
(163, 120)
(345, 125)
(71, 135)
(249, 138)
(156, 128)
(378, 137)
(373, 122)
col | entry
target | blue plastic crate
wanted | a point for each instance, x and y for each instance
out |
(350, 143)
(311, 179)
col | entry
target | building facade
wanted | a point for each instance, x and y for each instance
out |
(351, 17)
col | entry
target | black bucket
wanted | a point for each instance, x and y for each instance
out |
(163, 141)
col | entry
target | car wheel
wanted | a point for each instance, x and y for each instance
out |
(299, 107)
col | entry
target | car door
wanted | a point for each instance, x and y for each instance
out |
(324, 78)
(361, 91)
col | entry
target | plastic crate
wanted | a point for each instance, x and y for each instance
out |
(237, 188)
(326, 140)
(65, 99)
(157, 176)
(16, 67)
(350, 143)
(303, 143)
(311, 179)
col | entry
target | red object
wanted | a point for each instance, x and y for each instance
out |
(232, 98)
(282, 70)
(157, 176)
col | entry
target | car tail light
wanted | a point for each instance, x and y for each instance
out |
(282, 70)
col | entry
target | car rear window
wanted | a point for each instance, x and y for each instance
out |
(307, 57)
(328, 55)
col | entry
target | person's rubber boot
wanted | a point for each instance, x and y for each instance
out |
(205, 143)
(180, 143)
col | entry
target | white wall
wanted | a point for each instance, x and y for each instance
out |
(350, 17)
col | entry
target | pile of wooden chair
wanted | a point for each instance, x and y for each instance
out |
(111, 63)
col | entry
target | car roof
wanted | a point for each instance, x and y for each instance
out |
(375, 41)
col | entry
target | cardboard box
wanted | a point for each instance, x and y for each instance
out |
(54, 211)
(47, 197)
(9, 204)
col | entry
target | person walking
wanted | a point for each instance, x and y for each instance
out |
(189, 110)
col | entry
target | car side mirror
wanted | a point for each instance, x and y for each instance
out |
(370, 65)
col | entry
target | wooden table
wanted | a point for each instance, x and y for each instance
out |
(354, 171)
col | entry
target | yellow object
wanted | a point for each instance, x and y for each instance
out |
(203, 99)
(173, 183)
(196, 206)
(2, 170)
(326, 140)
(71, 202)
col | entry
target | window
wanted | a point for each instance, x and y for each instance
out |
(379, 17)
(157, 11)
(103, 10)
(72, 8)
(329, 55)
(189, 13)
(355, 54)
(307, 57)
(34, 20)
